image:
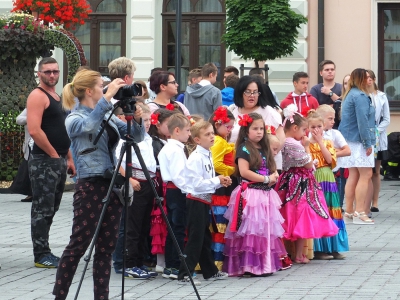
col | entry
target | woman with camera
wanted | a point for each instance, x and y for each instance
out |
(91, 188)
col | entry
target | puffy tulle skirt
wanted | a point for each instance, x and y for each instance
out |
(252, 236)
(339, 242)
(303, 206)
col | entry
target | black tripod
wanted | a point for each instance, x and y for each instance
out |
(128, 109)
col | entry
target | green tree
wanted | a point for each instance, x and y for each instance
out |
(261, 29)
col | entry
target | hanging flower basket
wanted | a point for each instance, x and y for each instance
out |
(68, 13)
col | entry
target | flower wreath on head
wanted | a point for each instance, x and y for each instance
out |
(245, 120)
(191, 120)
(288, 112)
(170, 106)
(154, 118)
(221, 115)
(270, 129)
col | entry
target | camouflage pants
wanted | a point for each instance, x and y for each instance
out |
(47, 177)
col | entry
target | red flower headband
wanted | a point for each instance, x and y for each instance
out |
(270, 129)
(154, 118)
(170, 106)
(245, 120)
(221, 115)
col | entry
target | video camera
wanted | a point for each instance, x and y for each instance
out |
(125, 94)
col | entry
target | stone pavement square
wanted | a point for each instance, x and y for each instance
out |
(371, 269)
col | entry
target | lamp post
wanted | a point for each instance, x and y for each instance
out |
(178, 41)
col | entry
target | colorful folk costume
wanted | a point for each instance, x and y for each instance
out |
(326, 179)
(252, 237)
(303, 205)
(223, 154)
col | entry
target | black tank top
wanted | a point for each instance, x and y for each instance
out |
(53, 125)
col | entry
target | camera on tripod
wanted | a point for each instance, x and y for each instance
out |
(125, 94)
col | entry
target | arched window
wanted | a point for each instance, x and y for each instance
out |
(103, 36)
(202, 28)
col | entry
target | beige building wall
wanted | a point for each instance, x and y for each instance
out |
(348, 35)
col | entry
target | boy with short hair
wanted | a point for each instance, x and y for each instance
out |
(172, 160)
(204, 98)
(303, 100)
(201, 183)
(193, 78)
(227, 93)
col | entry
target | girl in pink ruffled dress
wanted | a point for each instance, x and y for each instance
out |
(252, 236)
(303, 204)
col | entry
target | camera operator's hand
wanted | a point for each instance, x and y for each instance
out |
(113, 88)
(138, 114)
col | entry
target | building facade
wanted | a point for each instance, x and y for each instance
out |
(356, 33)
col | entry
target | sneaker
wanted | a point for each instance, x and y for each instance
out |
(56, 258)
(149, 271)
(47, 262)
(186, 281)
(170, 273)
(159, 269)
(136, 273)
(219, 276)
(286, 263)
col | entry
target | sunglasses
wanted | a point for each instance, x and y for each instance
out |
(48, 73)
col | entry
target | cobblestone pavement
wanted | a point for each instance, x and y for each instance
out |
(370, 271)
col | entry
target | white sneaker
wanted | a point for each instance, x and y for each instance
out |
(219, 276)
(186, 281)
(159, 269)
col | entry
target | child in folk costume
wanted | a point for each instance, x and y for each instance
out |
(201, 182)
(223, 154)
(172, 159)
(303, 205)
(158, 228)
(253, 245)
(323, 151)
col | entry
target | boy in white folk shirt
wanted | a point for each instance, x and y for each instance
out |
(172, 159)
(201, 183)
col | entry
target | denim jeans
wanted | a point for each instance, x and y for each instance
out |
(176, 213)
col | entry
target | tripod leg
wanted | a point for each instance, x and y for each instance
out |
(105, 202)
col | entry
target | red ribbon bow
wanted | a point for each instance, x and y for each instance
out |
(154, 118)
(245, 120)
(170, 106)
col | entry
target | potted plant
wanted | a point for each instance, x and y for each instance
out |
(68, 13)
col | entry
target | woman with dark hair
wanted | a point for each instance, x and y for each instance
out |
(164, 85)
(358, 128)
(248, 98)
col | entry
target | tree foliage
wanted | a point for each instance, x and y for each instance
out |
(261, 29)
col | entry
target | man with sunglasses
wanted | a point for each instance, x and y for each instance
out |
(49, 161)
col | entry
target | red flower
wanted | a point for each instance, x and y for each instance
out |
(245, 120)
(64, 12)
(154, 118)
(170, 106)
(221, 115)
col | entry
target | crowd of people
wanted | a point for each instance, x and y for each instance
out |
(251, 184)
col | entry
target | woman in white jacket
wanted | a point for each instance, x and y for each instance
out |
(382, 119)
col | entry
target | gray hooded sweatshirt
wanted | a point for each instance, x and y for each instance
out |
(202, 100)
